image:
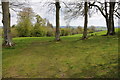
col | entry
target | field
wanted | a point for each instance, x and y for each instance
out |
(42, 57)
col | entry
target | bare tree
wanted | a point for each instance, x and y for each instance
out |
(54, 6)
(108, 10)
(76, 9)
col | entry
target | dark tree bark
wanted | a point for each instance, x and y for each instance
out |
(6, 24)
(111, 19)
(57, 34)
(107, 24)
(85, 20)
(107, 18)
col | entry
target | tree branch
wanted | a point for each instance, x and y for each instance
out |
(99, 9)
(118, 16)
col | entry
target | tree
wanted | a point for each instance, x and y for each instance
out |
(39, 29)
(40, 20)
(76, 9)
(108, 10)
(6, 24)
(57, 34)
(25, 18)
(50, 8)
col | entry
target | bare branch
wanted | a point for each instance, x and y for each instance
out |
(118, 16)
(101, 10)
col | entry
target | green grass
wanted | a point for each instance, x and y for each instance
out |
(41, 57)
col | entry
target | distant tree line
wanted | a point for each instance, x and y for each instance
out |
(42, 27)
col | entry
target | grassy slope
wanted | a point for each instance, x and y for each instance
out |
(70, 58)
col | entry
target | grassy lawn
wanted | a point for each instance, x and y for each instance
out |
(41, 57)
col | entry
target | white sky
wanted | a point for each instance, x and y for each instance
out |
(96, 20)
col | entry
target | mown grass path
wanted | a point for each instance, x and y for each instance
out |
(70, 58)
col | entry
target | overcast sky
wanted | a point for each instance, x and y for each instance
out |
(96, 20)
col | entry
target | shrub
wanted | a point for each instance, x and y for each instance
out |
(39, 31)
(74, 31)
(65, 31)
(79, 30)
(24, 29)
(50, 31)
(91, 29)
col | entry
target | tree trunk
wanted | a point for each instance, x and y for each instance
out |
(85, 20)
(108, 27)
(57, 34)
(111, 18)
(6, 24)
(107, 18)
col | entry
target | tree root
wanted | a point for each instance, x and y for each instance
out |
(8, 44)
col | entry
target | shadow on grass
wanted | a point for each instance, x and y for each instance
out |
(98, 71)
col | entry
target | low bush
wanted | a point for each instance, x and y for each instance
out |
(39, 32)
(65, 31)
